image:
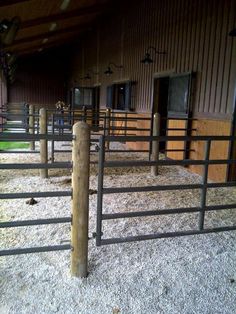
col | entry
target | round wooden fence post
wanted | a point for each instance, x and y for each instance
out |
(80, 199)
(31, 125)
(43, 143)
(155, 144)
(107, 126)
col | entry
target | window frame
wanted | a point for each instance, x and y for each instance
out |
(112, 96)
(179, 114)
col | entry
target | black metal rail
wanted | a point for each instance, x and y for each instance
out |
(202, 186)
(23, 195)
(37, 249)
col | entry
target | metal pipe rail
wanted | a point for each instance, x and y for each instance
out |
(7, 196)
(55, 165)
(13, 115)
(203, 186)
(36, 137)
(16, 151)
(24, 223)
(166, 235)
(161, 212)
(39, 249)
(35, 222)
(175, 138)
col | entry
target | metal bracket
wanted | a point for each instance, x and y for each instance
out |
(94, 234)
(97, 147)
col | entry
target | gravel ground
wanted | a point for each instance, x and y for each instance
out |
(194, 274)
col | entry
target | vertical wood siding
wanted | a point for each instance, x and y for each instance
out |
(3, 95)
(193, 33)
(3, 91)
(39, 80)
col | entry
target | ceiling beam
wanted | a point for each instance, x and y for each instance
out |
(62, 16)
(4, 3)
(77, 28)
(55, 43)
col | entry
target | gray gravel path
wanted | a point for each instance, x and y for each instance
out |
(195, 274)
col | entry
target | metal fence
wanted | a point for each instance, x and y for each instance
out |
(24, 166)
(23, 119)
(203, 186)
(102, 122)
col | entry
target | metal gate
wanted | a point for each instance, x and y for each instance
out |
(203, 186)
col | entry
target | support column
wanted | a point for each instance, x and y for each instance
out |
(43, 143)
(155, 144)
(80, 199)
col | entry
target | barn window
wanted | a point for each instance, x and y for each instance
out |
(119, 96)
(179, 94)
(83, 96)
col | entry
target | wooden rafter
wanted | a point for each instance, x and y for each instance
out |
(77, 28)
(62, 16)
(59, 42)
(4, 3)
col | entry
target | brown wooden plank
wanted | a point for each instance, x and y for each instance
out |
(74, 29)
(4, 3)
(64, 15)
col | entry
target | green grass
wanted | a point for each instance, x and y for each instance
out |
(13, 145)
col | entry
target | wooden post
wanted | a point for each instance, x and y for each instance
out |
(80, 199)
(43, 143)
(155, 144)
(107, 126)
(31, 125)
(84, 112)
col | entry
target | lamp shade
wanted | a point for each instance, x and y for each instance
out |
(108, 71)
(147, 59)
(10, 33)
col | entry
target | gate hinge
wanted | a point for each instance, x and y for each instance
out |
(94, 234)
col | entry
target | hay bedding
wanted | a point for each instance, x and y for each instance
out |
(193, 274)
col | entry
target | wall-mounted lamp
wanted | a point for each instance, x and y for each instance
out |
(11, 58)
(109, 71)
(233, 32)
(88, 76)
(8, 64)
(8, 30)
(147, 58)
(52, 27)
(64, 5)
(4, 25)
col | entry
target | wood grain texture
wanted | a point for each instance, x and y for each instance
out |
(193, 33)
(219, 150)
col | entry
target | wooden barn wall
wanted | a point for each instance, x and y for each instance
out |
(3, 91)
(39, 80)
(3, 94)
(193, 33)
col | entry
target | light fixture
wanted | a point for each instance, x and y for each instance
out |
(40, 49)
(8, 30)
(88, 75)
(64, 5)
(4, 25)
(10, 58)
(147, 58)
(109, 71)
(8, 65)
(52, 27)
(44, 40)
(233, 32)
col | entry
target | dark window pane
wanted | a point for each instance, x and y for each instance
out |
(179, 94)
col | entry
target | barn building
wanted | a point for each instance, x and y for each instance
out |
(174, 57)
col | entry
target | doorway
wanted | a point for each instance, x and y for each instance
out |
(160, 104)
